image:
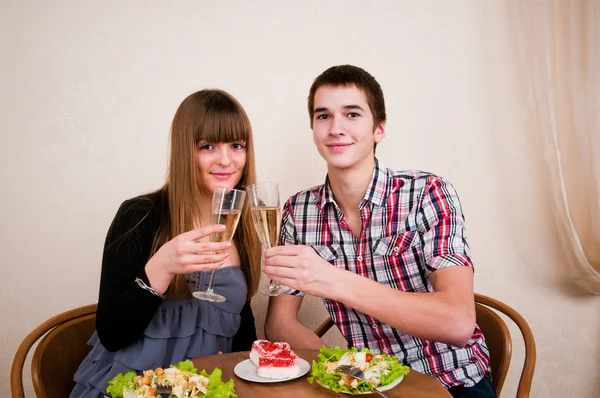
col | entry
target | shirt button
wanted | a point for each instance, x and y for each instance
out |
(359, 258)
(375, 326)
(396, 249)
(385, 351)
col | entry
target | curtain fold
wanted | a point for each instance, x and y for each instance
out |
(558, 44)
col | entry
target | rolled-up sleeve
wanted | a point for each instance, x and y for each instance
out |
(444, 238)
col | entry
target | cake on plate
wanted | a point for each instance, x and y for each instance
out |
(274, 360)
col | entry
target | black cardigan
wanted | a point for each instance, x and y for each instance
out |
(125, 309)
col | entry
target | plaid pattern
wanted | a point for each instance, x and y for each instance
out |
(412, 225)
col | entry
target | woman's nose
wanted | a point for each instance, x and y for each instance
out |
(224, 156)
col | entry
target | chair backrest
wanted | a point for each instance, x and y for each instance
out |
(62, 347)
(324, 327)
(499, 342)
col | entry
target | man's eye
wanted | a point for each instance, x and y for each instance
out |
(353, 114)
(322, 117)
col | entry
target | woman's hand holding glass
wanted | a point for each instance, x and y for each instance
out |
(185, 254)
(227, 204)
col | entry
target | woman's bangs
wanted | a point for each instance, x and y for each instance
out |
(223, 127)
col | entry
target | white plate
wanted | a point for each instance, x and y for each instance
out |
(382, 388)
(247, 370)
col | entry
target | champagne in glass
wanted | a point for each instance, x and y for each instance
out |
(230, 219)
(267, 221)
(226, 209)
(266, 215)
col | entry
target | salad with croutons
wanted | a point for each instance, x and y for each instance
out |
(379, 369)
(182, 380)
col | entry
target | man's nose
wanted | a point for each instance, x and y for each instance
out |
(337, 126)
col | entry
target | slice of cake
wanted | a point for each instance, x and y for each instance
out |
(278, 366)
(274, 360)
(262, 348)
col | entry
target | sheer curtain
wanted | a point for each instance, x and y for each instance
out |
(558, 44)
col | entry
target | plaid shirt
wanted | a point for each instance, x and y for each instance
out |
(412, 225)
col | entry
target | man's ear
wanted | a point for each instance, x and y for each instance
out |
(379, 133)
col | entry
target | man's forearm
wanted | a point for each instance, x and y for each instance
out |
(294, 333)
(429, 316)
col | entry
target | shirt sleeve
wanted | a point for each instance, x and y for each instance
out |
(444, 239)
(125, 309)
(288, 235)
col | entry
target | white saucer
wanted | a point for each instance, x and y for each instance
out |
(247, 370)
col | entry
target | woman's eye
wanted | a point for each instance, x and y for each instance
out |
(238, 145)
(205, 147)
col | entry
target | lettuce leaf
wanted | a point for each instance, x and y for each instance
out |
(216, 387)
(334, 354)
(117, 383)
(186, 366)
(327, 354)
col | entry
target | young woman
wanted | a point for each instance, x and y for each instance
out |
(158, 251)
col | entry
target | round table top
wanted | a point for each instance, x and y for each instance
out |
(414, 384)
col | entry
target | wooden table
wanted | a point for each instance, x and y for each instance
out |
(414, 385)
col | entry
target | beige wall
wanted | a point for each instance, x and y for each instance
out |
(88, 90)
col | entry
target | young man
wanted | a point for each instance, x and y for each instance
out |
(386, 250)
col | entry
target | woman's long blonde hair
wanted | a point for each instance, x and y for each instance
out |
(216, 117)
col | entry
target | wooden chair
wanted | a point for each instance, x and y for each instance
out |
(62, 346)
(498, 340)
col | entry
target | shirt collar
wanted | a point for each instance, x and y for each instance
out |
(377, 191)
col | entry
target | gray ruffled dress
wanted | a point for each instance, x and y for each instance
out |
(179, 330)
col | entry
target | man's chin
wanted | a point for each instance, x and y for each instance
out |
(344, 162)
(340, 164)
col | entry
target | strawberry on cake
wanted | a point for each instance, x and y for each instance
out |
(274, 360)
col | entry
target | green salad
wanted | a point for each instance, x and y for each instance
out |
(379, 369)
(182, 378)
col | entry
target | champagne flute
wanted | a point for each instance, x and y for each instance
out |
(226, 209)
(266, 215)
